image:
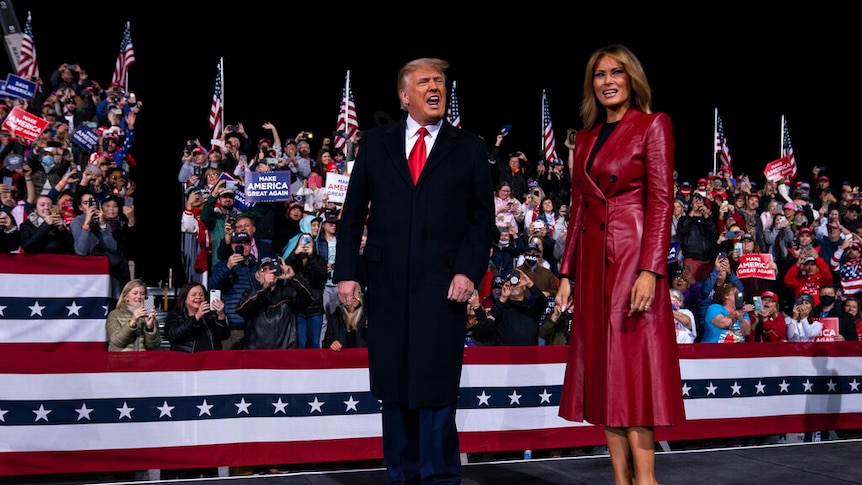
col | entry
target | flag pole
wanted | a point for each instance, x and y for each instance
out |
(714, 139)
(346, 101)
(781, 138)
(542, 124)
(128, 29)
(223, 111)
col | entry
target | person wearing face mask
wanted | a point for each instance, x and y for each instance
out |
(829, 309)
(48, 165)
(532, 266)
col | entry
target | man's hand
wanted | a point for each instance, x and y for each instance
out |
(460, 288)
(349, 293)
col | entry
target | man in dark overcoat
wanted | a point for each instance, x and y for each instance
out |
(427, 248)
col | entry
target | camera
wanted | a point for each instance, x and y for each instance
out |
(514, 278)
(238, 249)
(270, 264)
(231, 221)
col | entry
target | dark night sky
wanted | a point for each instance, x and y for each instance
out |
(286, 64)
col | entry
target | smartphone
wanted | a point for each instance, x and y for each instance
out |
(722, 255)
(731, 235)
(215, 295)
(758, 304)
(738, 248)
(150, 303)
(738, 300)
(129, 201)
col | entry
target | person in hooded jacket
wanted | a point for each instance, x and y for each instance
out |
(310, 267)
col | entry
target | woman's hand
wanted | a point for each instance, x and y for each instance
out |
(563, 298)
(642, 293)
(202, 310)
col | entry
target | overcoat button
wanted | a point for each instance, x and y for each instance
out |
(602, 226)
(613, 178)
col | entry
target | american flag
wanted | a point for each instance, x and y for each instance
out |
(453, 113)
(721, 148)
(125, 59)
(102, 411)
(549, 143)
(217, 107)
(787, 148)
(27, 61)
(347, 122)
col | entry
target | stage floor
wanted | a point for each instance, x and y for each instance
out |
(826, 462)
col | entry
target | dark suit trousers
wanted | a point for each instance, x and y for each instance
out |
(421, 445)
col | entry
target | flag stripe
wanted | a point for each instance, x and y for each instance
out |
(721, 147)
(125, 58)
(347, 123)
(787, 149)
(27, 64)
(453, 112)
(550, 143)
(116, 411)
(216, 107)
(52, 300)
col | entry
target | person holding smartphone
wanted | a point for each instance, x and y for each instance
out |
(130, 326)
(727, 320)
(196, 324)
(311, 270)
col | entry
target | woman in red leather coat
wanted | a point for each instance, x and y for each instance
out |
(623, 370)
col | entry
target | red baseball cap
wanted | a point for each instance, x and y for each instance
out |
(769, 294)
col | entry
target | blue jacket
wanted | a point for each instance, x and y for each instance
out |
(233, 283)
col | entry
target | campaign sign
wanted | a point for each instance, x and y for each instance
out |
(19, 87)
(756, 266)
(239, 200)
(86, 138)
(778, 169)
(336, 186)
(673, 253)
(830, 329)
(26, 125)
(267, 186)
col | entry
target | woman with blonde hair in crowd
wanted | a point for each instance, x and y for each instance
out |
(131, 327)
(726, 321)
(347, 327)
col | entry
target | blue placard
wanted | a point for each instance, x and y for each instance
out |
(267, 186)
(19, 87)
(86, 138)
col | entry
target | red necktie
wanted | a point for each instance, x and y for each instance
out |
(417, 155)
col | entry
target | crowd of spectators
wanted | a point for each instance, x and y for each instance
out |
(59, 198)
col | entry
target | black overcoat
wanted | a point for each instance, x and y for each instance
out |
(419, 237)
